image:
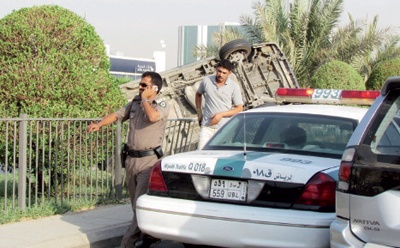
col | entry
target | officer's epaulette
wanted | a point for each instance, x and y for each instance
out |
(161, 102)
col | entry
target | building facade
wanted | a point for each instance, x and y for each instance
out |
(129, 67)
(189, 37)
(126, 67)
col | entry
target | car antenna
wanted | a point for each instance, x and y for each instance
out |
(244, 136)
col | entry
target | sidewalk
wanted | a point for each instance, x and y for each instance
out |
(101, 227)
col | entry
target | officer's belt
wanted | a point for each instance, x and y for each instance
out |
(139, 154)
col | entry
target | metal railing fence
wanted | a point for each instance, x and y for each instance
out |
(55, 159)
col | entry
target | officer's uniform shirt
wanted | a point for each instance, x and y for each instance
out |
(143, 134)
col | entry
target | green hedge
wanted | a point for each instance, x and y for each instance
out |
(381, 72)
(337, 75)
(54, 64)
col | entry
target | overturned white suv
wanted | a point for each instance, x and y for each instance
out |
(368, 193)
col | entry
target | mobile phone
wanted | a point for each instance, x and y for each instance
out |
(155, 88)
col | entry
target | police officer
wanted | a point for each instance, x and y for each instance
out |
(147, 114)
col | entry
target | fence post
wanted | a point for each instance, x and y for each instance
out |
(23, 141)
(118, 167)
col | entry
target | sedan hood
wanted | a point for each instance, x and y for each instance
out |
(255, 165)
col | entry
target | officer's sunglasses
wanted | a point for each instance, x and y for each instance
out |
(144, 85)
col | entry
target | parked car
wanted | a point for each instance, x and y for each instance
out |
(368, 192)
(266, 179)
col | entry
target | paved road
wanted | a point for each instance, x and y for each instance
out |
(167, 244)
(172, 244)
(164, 244)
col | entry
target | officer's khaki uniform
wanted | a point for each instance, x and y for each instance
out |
(143, 135)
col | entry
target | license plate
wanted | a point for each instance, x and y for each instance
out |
(228, 189)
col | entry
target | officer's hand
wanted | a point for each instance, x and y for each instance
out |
(93, 127)
(149, 92)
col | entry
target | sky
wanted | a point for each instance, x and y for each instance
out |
(137, 28)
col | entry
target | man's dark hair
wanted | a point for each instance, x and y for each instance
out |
(155, 78)
(226, 64)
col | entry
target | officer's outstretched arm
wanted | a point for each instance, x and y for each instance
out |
(95, 126)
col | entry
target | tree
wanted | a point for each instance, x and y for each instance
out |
(53, 64)
(308, 32)
(381, 72)
(365, 45)
(337, 75)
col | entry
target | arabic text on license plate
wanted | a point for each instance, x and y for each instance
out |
(328, 94)
(228, 189)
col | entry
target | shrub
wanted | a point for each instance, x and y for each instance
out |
(53, 64)
(381, 72)
(337, 75)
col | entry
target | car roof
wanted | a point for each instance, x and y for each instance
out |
(390, 84)
(350, 112)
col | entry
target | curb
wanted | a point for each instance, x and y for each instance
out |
(102, 238)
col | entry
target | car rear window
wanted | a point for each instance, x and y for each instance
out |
(285, 131)
(384, 136)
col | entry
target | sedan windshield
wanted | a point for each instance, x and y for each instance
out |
(284, 132)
